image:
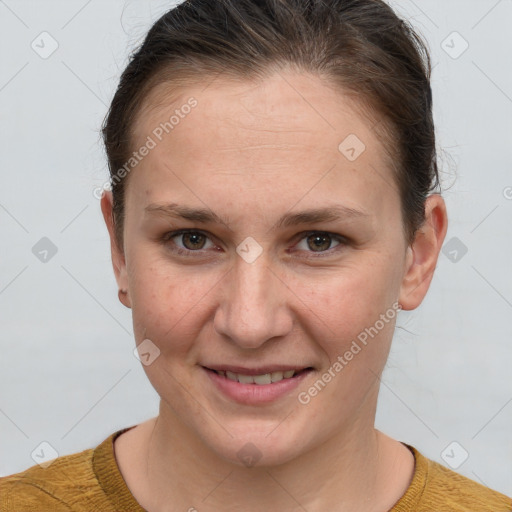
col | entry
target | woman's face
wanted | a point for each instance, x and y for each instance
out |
(294, 250)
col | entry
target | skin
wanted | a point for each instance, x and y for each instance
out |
(252, 152)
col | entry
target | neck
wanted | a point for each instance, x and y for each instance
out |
(358, 469)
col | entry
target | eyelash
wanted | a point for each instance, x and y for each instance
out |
(167, 237)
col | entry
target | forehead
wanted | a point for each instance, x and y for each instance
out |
(289, 100)
(288, 126)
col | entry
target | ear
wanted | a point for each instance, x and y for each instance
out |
(422, 254)
(118, 258)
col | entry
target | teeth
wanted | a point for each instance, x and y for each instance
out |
(276, 376)
(263, 379)
(266, 378)
(245, 379)
(230, 375)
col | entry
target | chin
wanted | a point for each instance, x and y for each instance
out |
(251, 452)
(253, 445)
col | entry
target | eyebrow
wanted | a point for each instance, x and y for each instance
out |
(310, 216)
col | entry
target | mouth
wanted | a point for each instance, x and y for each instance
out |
(259, 377)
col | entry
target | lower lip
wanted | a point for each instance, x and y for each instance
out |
(252, 394)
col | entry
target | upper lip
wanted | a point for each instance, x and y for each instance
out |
(260, 370)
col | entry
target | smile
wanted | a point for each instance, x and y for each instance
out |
(252, 387)
(262, 379)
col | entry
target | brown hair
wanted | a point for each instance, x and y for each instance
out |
(358, 45)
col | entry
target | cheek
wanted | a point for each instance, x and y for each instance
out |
(169, 305)
(347, 299)
(346, 307)
(352, 320)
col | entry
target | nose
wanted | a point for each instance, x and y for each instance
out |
(253, 306)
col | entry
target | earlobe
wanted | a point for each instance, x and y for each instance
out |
(124, 298)
(117, 253)
(423, 253)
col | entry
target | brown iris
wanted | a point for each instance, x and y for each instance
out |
(193, 240)
(319, 242)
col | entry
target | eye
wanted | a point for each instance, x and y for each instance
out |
(319, 241)
(188, 241)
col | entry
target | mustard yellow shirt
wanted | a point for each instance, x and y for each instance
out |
(90, 481)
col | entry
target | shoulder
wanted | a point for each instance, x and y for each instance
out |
(39, 487)
(463, 493)
(68, 483)
(436, 487)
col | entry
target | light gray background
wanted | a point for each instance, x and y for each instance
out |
(68, 375)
